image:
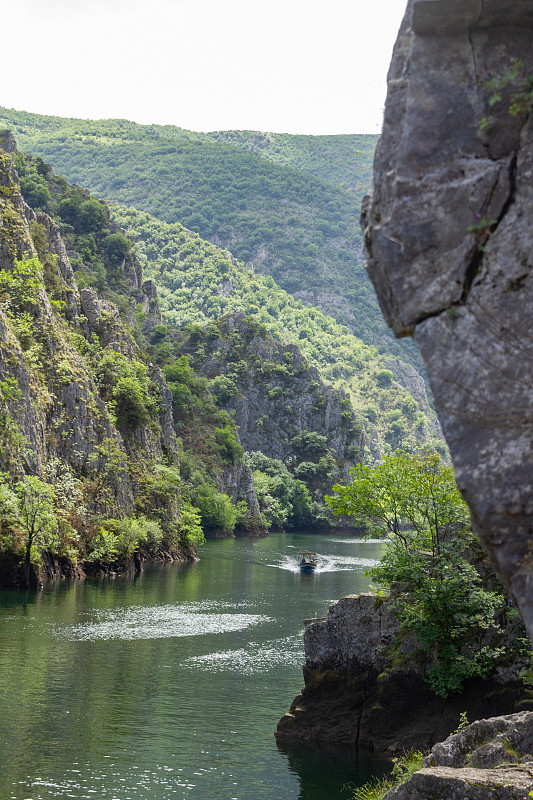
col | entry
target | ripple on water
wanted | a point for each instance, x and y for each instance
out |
(158, 622)
(256, 657)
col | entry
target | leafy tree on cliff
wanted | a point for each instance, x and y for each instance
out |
(436, 591)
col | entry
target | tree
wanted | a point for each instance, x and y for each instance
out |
(217, 512)
(37, 517)
(436, 592)
(117, 247)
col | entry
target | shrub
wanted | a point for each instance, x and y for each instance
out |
(222, 388)
(117, 247)
(310, 444)
(190, 525)
(384, 378)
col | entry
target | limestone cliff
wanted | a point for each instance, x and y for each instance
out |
(280, 405)
(83, 410)
(449, 240)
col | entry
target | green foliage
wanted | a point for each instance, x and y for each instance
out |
(124, 383)
(122, 538)
(13, 444)
(103, 547)
(36, 517)
(190, 526)
(188, 273)
(216, 511)
(310, 444)
(513, 86)
(436, 592)
(289, 203)
(116, 247)
(285, 501)
(384, 378)
(403, 768)
(225, 442)
(19, 288)
(223, 388)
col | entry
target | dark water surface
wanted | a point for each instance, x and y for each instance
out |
(170, 685)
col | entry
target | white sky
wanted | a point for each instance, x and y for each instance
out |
(273, 65)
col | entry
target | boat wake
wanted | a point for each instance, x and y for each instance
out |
(331, 563)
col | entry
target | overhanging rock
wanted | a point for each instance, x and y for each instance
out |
(449, 239)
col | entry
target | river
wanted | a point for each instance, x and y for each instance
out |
(170, 684)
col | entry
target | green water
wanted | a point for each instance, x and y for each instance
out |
(170, 685)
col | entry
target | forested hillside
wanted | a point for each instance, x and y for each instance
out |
(199, 282)
(124, 430)
(288, 206)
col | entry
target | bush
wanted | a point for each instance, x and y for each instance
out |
(226, 444)
(384, 378)
(222, 388)
(130, 403)
(117, 247)
(310, 444)
(190, 525)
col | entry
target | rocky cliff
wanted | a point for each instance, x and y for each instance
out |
(364, 684)
(280, 404)
(87, 421)
(449, 241)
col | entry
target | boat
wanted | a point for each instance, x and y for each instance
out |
(307, 561)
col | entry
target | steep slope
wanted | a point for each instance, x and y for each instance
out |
(264, 203)
(86, 430)
(287, 419)
(210, 456)
(345, 160)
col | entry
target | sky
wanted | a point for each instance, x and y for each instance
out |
(287, 66)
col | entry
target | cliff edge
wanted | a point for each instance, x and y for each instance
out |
(449, 241)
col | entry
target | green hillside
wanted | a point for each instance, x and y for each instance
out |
(199, 282)
(345, 160)
(276, 201)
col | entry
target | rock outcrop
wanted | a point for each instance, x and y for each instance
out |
(488, 760)
(365, 687)
(449, 241)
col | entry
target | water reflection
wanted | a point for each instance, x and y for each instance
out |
(314, 765)
(170, 684)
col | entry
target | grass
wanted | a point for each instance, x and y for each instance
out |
(403, 769)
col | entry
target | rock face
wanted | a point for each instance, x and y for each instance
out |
(357, 693)
(443, 783)
(277, 399)
(449, 241)
(490, 760)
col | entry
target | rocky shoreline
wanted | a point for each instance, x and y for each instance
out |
(356, 694)
(17, 575)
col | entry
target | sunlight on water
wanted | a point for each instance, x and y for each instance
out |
(157, 622)
(256, 657)
(165, 781)
(170, 685)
